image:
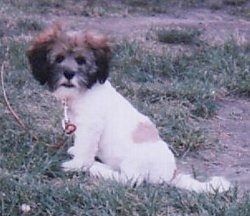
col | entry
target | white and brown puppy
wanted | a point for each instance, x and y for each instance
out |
(74, 65)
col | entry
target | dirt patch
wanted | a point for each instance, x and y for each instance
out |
(232, 126)
(231, 157)
(217, 27)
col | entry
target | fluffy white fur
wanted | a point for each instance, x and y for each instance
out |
(106, 122)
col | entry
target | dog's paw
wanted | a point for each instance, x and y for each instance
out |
(73, 165)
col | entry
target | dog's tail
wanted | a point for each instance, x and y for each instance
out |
(215, 184)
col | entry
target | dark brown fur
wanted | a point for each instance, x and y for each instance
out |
(54, 41)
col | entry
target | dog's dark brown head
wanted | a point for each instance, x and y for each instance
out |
(69, 60)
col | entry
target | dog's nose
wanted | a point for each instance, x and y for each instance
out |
(69, 74)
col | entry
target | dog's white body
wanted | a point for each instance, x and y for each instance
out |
(106, 122)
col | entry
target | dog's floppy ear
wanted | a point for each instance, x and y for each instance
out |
(102, 51)
(37, 52)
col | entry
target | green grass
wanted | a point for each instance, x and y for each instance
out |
(197, 78)
(91, 8)
(26, 25)
(160, 6)
(77, 195)
(179, 36)
(18, 26)
(28, 5)
(234, 2)
(97, 8)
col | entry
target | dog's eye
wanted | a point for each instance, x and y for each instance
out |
(80, 60)
(59, 59)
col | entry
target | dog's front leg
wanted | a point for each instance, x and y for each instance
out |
(84, 149)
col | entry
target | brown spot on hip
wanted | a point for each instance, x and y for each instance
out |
(145, 132)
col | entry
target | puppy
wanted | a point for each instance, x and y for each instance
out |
(75, 67)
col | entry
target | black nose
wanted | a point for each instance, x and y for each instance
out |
(69, 74)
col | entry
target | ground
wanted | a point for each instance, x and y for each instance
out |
(231, 159)
(230, 125)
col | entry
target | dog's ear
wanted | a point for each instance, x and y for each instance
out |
(37, 52)
(102, 51)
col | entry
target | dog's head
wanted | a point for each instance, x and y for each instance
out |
(67, 61)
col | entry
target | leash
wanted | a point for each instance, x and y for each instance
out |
(68, 127)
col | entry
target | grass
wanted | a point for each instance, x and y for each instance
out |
(197, 78)
(177, 92)
(91, 8)
(97, 8)
(187, 36)
(234, 2)
(236, 7)
(66, 197)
